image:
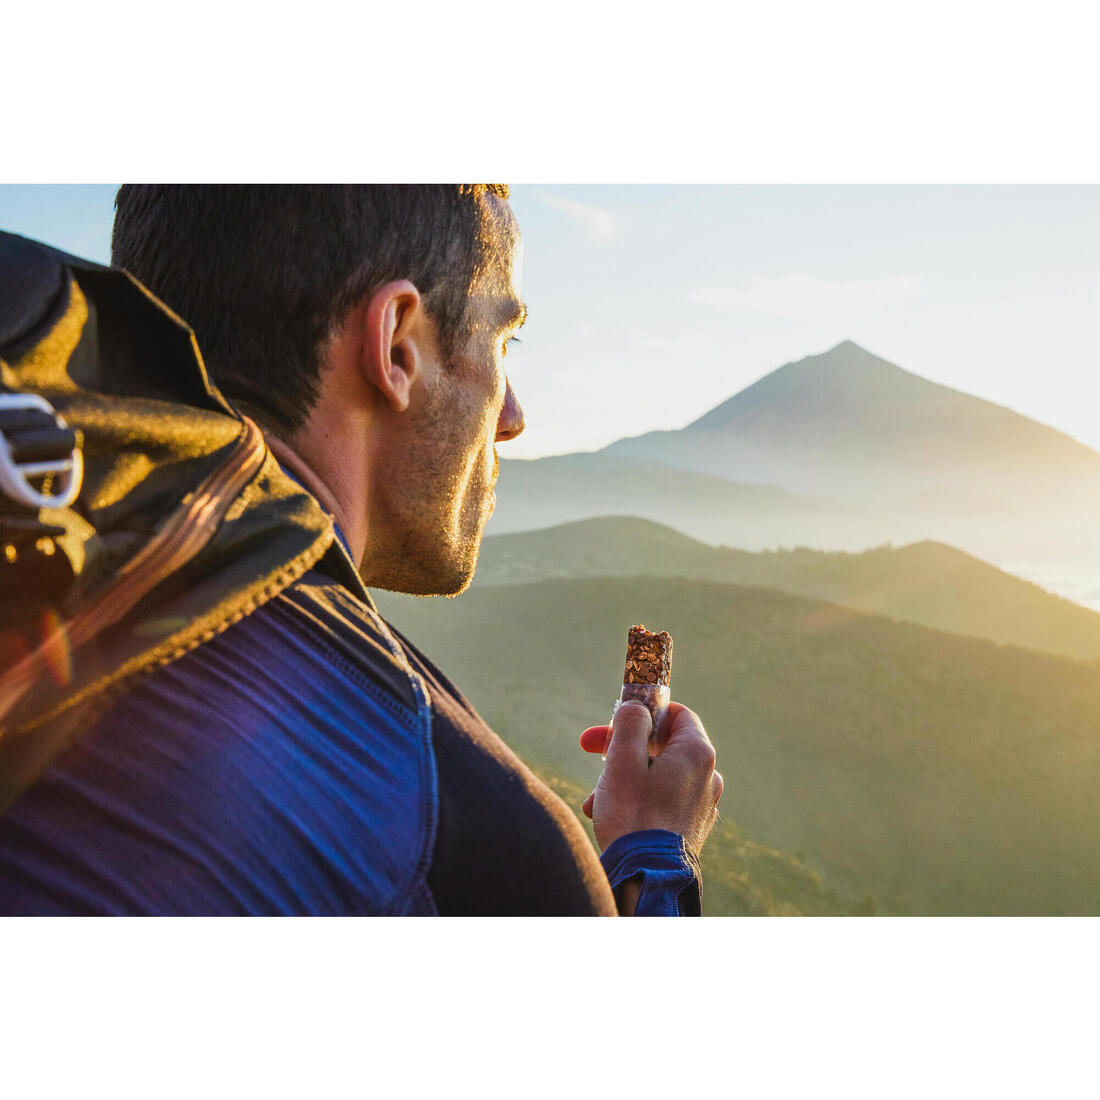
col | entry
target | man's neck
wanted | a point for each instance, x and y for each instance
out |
(315, 483)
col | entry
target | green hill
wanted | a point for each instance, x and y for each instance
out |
(927, 583)
(941, 773)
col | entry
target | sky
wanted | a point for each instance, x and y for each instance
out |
(650, 304)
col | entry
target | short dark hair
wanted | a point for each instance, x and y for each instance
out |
(263, 273)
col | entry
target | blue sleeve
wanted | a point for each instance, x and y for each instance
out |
(669, 870)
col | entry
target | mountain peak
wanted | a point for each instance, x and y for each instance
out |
(844, 347)
(847, 355)
(844, 375)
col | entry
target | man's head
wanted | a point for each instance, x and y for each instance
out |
(364, 326)
(265, 273)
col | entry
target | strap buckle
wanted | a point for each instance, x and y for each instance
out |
(35, 442)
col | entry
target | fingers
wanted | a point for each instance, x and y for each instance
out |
(586, 807)
(683, 721)
(687, 735)
(628, 748)
(594, 739)
(684, 727)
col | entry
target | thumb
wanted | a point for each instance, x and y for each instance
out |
(628, 749)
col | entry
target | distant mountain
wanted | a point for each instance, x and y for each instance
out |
(847, 423)
(840, 451)
(927, 582)
(940, 773)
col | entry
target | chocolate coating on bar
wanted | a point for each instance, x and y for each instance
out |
(648, 657)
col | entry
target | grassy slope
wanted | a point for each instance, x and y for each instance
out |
(945, 774)
(926, 583)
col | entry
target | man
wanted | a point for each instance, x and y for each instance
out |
(306, 758)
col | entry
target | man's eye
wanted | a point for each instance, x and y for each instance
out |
(510, 340)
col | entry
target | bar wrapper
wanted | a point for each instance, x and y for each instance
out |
(646, 680)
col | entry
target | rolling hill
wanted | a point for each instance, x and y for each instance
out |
(942, 774)
(927, 583)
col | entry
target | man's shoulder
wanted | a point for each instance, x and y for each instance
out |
(313, 638)
(283, 766)
(317, 618)
(315, 673)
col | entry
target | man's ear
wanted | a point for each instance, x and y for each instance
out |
(394, 349)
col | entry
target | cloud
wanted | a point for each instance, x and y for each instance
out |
(808, 298)
(598, 222)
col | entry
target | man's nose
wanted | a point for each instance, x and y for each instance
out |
(510, 422)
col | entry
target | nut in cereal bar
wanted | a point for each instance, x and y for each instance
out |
(648, 657)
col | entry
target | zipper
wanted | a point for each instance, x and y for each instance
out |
(184, 535)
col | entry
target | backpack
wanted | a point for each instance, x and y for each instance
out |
(140, 514)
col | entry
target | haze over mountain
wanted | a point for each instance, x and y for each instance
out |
(842, 450)
(926, 582)
(547, 491)
(847, 423)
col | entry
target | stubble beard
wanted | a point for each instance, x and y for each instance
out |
(438, 548)
(436, 557)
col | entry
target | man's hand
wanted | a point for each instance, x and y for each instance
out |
(677, 790)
